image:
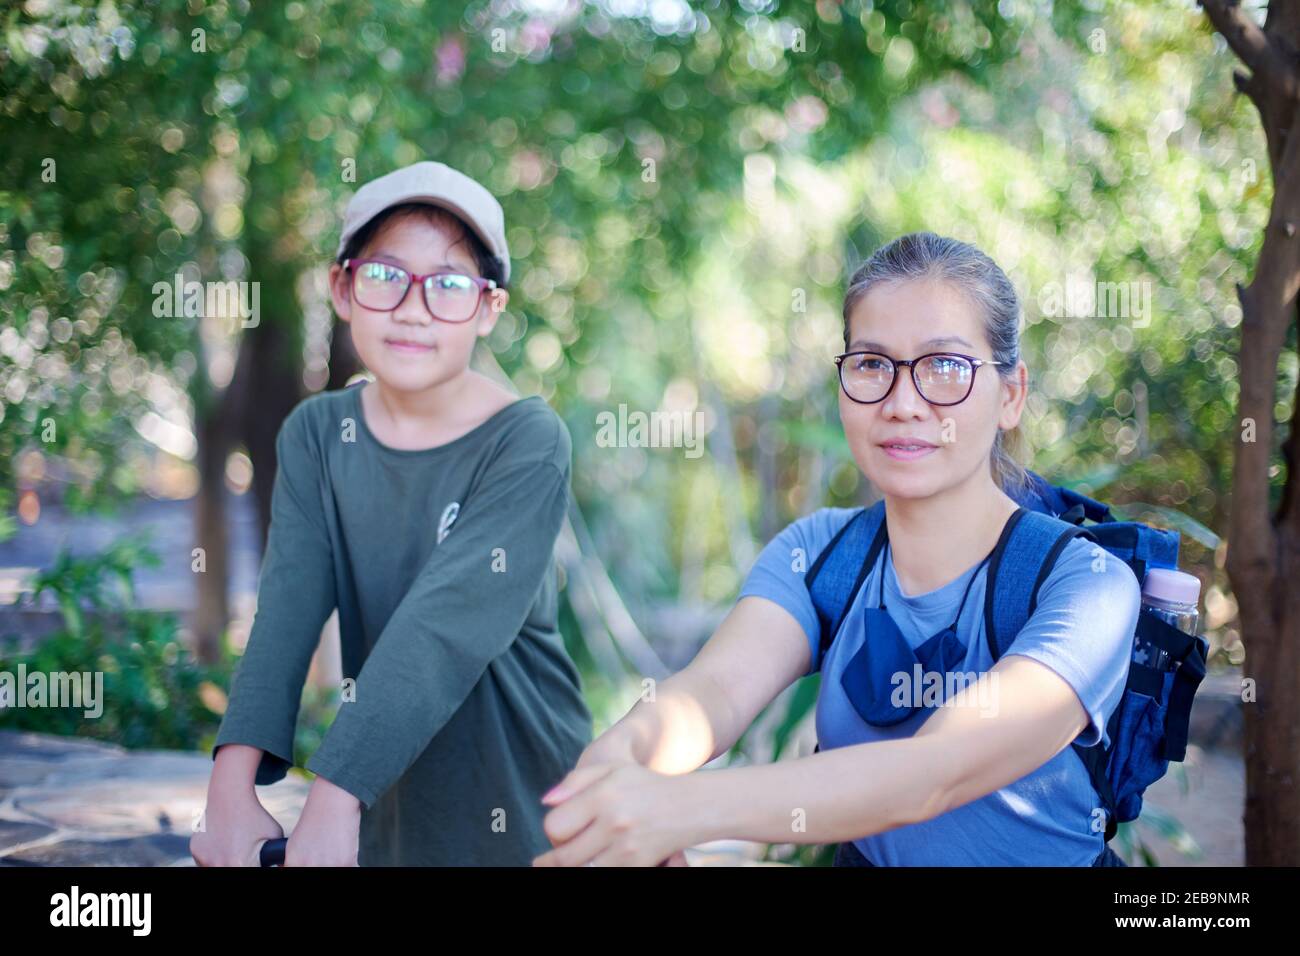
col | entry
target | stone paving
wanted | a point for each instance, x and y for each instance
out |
(73, 802)
(66, 801)
(70, 802)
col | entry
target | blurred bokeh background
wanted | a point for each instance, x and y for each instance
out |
(686, 185)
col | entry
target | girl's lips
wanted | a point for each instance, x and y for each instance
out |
(402, 345)
(903, 453)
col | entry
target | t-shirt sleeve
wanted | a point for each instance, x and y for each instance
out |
(1082, 628)
(779, 571)
(295, 595)
(464, 609)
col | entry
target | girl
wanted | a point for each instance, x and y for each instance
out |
(987, 779)
(424, 507)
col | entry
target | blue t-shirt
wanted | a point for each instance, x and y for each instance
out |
(1082, 628)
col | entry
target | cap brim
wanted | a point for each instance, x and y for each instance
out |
(442, 203)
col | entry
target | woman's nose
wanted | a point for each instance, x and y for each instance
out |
(904, 400)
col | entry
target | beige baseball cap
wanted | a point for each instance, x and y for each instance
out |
(438, 185)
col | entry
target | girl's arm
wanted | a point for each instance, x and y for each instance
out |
(701, 711)
(295, 595)
(985, 739)
(464, 609)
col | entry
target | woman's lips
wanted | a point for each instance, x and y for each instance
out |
(908, 450)
(407, 346)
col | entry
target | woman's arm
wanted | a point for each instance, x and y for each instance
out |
(984, 739)
(701, 711)
(1057, 683)
(763, 645)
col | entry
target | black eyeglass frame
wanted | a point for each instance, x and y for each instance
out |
(975, 363)
(484, 285)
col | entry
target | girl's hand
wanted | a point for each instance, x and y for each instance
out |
(235, 825)
(328, 830)
(620, 815)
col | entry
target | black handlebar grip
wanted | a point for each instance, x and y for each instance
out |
(272, 853)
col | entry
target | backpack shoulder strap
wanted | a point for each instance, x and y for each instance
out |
(1023, 558)
(837, 575)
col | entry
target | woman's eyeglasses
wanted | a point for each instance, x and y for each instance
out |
(450, 296)
(941, 378)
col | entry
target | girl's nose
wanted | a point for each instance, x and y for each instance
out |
(412, 309)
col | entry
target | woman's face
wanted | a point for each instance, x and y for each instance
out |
(407, 349)
(904, 319)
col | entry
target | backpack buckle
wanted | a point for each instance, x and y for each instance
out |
(1074, 515)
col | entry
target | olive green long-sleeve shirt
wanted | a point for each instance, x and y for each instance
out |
(466, 707)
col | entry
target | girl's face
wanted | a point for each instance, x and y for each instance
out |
(905, 319)
(407, 349)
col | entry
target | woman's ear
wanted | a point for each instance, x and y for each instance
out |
(494, 303)
(1014, 392)
(341, 292)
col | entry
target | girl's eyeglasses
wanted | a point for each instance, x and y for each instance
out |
(941, 378)
(450, 296)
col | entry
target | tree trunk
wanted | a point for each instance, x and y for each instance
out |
(1264, 546)
(212, 612)
(216, 428)
(274, 388)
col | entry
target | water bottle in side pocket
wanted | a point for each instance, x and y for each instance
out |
(1154, 713)
(1172, 596)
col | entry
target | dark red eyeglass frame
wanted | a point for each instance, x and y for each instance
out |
(483, 286)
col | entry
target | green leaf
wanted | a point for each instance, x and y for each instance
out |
(803, 700)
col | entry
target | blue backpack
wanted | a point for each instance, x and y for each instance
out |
(1149, 726)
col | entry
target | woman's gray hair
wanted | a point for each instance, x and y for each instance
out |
(924, 255)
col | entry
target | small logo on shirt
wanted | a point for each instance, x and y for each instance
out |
(448, 518)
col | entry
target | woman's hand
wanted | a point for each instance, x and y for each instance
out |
(610, 747)
(328, 830)
(614, 814)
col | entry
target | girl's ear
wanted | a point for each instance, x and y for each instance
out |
(341, 292)
(1014, 393)
(494, 303)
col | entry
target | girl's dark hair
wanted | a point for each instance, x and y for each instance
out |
(924, 255)
(488, 265)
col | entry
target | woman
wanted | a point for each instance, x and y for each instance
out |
(989, 779)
